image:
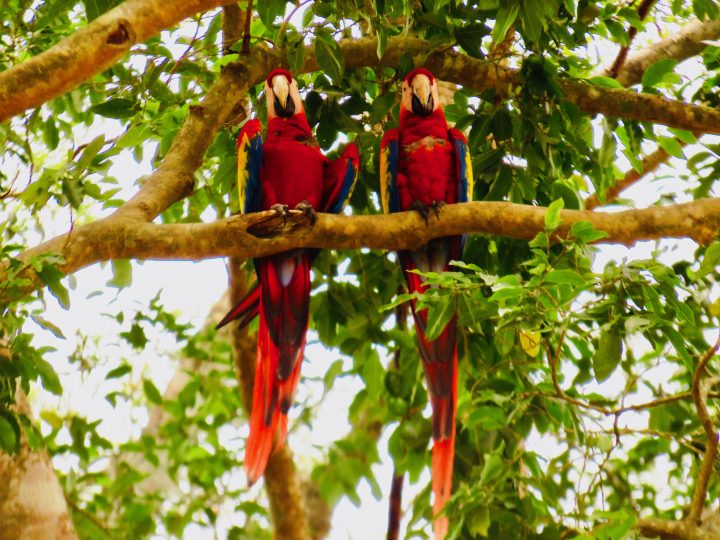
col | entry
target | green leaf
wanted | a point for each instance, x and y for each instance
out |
(48, 376)
(478, 521)
(710, 261)
(469, 37)
(88, 154)
(567, 277)
(51, 276)
(136, 336)
(439, 315)
(606, 82)
(122, 273)
(119, 371)
(382, 39)
(296, 54)
(608, 354)
(585, 232)
(505, 18)
(95, 8)
(501, 124)
(151, 391)
(9, 435)
(657, 72)
(329, 56)
(116, 108)
(552, 216)
(671, 146)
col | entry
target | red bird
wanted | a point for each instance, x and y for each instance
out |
(423, 166)
(287, 169)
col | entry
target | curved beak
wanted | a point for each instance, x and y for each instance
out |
(284, 107)
(422, 99)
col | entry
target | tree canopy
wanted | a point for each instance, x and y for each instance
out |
(588, 314)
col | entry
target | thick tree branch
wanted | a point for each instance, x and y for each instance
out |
(114, 238)
(90, 50)
(452, 66)
(672, 530)
(681, 45)
(455, 67)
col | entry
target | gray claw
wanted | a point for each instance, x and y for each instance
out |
(421, 209)
(436, 206)
(281, 210)
(307, 209)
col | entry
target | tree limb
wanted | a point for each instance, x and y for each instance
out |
(681, 45)
(90, 50)
(672, 530)
(116, 238)
(455, 67)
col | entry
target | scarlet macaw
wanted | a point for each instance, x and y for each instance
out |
(423, 166)
(287, 169)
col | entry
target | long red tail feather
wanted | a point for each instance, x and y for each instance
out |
(440, 361)
(284, 301)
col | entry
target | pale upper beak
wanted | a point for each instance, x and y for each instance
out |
(422, 100)
(421, 88)
(281, 89)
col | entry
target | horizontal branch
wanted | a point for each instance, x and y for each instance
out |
(680, 45)
(672, 530)
(118, 238)
(90, 50)
(453, 66)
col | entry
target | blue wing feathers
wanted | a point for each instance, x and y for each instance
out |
(254, 166)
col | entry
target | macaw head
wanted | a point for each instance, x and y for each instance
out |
(420, 93)
(282, 94)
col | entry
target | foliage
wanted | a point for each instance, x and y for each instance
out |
(575, 416)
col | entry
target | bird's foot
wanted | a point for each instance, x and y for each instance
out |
(421, 209)
(436, 206)
(281, 210)
(307, 209)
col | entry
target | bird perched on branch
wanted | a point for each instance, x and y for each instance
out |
(423, 166)
(285, 170)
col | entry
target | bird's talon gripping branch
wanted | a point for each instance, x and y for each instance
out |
(281, 210)
(307, 209)
(421, 209)
(436, 206)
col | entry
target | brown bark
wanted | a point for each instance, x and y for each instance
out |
(90, 50)
(110, 239)
(681, 45)
(32, 502)
(455, 67)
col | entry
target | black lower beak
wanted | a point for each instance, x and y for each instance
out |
(420, 109)
(287, 111)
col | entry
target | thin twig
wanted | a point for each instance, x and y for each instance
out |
(290, 15)
(395, 513)
(700, 392)
(649, 164)
(617, 65)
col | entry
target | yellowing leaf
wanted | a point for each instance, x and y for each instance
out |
(530, 342)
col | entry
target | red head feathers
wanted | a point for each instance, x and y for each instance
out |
(279, 71)
(419, 71)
